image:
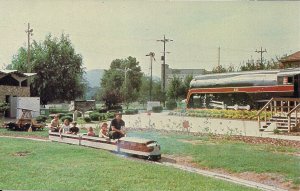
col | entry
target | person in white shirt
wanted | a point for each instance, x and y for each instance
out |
(65, 128)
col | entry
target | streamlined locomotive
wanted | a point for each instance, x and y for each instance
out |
(242, 90)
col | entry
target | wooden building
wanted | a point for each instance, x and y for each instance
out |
(291, 61)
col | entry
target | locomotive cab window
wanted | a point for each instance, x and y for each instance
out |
(286, 80)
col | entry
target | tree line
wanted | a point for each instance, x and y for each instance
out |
(59, 75)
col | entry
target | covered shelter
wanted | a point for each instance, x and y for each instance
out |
(14, 84)
(291, 61)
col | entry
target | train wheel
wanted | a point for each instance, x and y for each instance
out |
(154, 157)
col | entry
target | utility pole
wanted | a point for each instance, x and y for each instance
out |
(151, 54)
(219, 57)
(29, 33)
(261, 51)
(164, 63)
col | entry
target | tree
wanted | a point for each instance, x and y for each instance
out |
(176, 89)
(114, 87)
(186, 84)
(58, 68)
(144, 94)
(219, 69)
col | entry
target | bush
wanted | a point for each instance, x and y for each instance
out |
(66, 117)
(87, 119)
(57, 110)
(94, 116)
(171, 104)
(41, 118)
(157, 109)
(131, 111)
(69, 114)
(110, 115)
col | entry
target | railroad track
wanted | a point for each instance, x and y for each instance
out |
(211, 174)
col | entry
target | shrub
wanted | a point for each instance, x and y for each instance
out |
(94, 116)
(131, 111)
(171, 104)
(41, 118)
(110, 115)
(66, 117)
(276, 131)
(157, 109)
(69, 114)
(57, 110)
(87, 119)
(3, 106)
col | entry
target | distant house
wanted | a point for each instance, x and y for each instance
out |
(291, 61)
(14, 84)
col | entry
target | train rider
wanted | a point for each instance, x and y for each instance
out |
(54, 125)
(116, 126)
(74, 130)
(104, 131)
(65, 128)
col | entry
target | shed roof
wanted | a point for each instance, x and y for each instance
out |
(291, 58)
(21, 74)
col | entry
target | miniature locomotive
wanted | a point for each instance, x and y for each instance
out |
(129, 145)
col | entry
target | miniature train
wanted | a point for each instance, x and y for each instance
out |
(242, 90)
(128, 145)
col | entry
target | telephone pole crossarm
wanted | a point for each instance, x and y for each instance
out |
(165, 40)
(261, 51)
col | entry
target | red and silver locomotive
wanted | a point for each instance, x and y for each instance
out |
(242, 90)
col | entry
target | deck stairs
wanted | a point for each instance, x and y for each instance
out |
(282, 114)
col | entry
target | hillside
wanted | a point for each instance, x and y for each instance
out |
(93, 77)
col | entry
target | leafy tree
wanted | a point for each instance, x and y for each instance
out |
(219, 69)
(186, 84)
(176, 89)
(144, 94)
(58, 68)
(115, 89)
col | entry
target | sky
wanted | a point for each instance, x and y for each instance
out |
(102, 31)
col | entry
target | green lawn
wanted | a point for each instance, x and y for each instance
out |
(232, 156)
(55, 166)
(229, 155)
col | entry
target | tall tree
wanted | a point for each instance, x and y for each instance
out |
(176, 89)
(58, 68)
(122, 82)
(144, 94)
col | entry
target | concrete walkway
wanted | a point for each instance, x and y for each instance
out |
(204, 125)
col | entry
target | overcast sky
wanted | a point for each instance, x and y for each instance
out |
(102, 31)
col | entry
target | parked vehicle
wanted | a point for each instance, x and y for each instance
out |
(25, 122)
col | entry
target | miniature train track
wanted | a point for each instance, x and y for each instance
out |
(211, 174)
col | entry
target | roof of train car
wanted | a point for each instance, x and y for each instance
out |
(136, 140)
(245, 78)
(291, 71)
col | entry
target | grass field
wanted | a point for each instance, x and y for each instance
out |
(231, 156)
(32, 165)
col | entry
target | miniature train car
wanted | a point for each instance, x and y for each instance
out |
(129, 145)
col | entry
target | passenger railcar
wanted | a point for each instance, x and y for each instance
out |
(128, 145)
(242, 90)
